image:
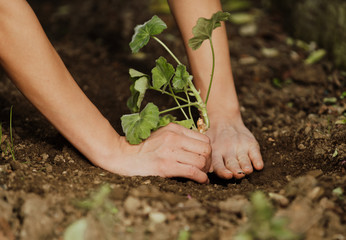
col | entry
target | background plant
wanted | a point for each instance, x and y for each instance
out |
(9, 144)
(262, 224)
(172, 81)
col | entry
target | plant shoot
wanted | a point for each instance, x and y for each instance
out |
(168, 80)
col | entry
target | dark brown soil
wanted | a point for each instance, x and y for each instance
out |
(302, 138)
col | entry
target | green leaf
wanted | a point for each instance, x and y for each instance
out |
(143, 33)
(96, 199)
(162, 73)
(138, 126)
(181, 78)
(184, 234)
(134, 74)
(165, 120)
(188, 123)
(204, 28)
(133, 99)
(137, 89)
(141, 85)
(315, 56)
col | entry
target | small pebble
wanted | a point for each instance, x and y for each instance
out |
(301, 146)
(316, 193)
(248, 30)
(157, 217)
(315, 173)
(44, 157)
(247, 60)
(280, 199)
(132, 204)
(269, 52)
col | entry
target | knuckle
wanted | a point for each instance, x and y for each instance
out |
(206, 150)
(201, 162)
(169, 136)
(191, 172)
(172, 126)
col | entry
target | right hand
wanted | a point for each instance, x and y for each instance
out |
(171, 151)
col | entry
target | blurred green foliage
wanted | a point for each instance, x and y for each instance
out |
(262, 224)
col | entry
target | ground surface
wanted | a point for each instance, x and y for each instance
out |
(294, 110)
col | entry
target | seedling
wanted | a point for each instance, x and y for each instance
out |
(9, 144)
(11, 135)
(263, 224)
(167, 80)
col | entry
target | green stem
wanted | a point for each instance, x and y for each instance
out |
(11, 135)
(169, 94)
(177, 102)
(190, 113)
(179, 107)
(200, 104)
(212, 70)
(167, 49)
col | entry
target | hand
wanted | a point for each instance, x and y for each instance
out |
(171, 151)
(235, 151)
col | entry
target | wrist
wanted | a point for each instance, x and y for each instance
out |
(105, 147)
(224, 116)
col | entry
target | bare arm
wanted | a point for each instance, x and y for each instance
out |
(34, 66)
(36, 69)
(223, 97)
(235, 150)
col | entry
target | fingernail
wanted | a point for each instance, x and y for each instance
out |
(228, 171)
(247, 168)
(241, 173)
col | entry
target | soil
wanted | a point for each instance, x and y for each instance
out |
(50, 185)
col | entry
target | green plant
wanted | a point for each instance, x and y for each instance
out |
(9, 144)
(167, 80)
(11, 134)
(262, 224)
(99, 208)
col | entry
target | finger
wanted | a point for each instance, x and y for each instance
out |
(193, 159)
(219, 167)
(256, 157)
(190, 172)
(189, 133)
(196, 146)
(244, 162)
(233, 165)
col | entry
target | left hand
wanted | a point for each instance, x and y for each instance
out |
(235, 151)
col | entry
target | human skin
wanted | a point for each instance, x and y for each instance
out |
(235, 151)
(36, 69)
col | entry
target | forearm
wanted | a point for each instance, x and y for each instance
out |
(223, 99)
(34, 66)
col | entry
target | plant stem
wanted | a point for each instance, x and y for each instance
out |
(176, 101)
(179, 107)
(167, 49)
(212, 70)
(11, 135)
(200, 104)
(168, 93)
(188, 98)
